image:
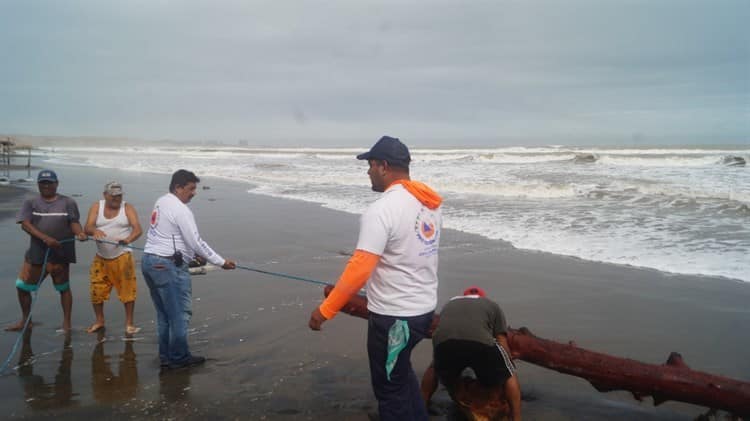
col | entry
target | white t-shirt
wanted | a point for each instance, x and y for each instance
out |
(406, 234)
(173, 226)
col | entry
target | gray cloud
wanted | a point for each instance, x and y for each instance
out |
(439, 72)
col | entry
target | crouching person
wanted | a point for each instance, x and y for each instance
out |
(472, 333)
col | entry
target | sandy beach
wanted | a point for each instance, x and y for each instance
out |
(264, 362)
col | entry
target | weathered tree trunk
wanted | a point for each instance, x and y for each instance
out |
(673, 380)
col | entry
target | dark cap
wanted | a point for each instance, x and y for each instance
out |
(46, 175)
(389, 149)
(474, 290)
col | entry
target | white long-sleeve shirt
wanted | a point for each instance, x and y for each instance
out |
(173, 226)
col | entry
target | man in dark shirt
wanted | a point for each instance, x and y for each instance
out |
(49, 219)
(472, 333)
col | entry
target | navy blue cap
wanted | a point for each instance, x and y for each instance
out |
(389, 149)
(46, 175)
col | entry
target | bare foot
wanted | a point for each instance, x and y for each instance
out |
(130, 330)
(18, 326)
(95, 327)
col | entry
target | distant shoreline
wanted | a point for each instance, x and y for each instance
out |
(38, 141)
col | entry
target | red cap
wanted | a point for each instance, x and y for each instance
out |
(474, 290)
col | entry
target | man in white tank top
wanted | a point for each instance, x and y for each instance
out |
(113, 221)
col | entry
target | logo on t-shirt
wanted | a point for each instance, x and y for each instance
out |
(426, 227)
(154, 217)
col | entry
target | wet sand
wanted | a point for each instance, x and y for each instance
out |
(9, 200)
(264, 363)
(19, 185)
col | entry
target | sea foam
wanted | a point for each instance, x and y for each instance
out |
(673, 209)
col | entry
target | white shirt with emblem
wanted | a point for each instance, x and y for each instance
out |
(406, 234)
(173, 227)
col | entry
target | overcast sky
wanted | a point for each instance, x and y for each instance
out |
(331, 73)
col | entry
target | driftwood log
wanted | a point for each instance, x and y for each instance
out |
(673, 380)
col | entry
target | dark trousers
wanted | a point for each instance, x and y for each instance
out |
(398, 398)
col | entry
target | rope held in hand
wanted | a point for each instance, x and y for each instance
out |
(249, 268)
(283, 275)
(252, 269)
(5, 365)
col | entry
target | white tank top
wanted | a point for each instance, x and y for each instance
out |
(117, 228)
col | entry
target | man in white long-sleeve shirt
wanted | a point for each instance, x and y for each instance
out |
(172, 241)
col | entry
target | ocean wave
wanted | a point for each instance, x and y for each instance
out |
(504, 158)
(420, 157)
(536, 198)
(78, 150)
(727, 194)
(629, 244)
(630, 192)
(660, 152)
(585, 158)
(71, 162)
(518, 190)
(632, 243)
(513, 150)
(658, 160)
(498, 155)
(733, 161)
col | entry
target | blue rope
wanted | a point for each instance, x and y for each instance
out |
(283, 275)
(267, 272)
(31, 307)
(116, 244)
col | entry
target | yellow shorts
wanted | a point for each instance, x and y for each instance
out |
(118, 272)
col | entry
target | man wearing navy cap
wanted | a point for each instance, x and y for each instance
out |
(397, 256)
(49, 219)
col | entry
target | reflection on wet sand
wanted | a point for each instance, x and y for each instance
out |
(40, 395)
(174, 385)
(106, 386)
